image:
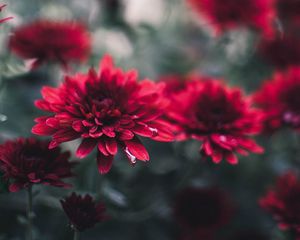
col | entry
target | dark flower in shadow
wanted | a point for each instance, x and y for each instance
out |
(25, 162)
(46, 40)
(202, 211)
(283, 202)
(83, 212)
(282, 51)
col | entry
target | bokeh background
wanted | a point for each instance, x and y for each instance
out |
(157, 37)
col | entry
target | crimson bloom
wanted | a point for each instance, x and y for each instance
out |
(202, 211)
(28, 161)
(256, 14)
(82, 211)
(3, 19)
(221, 117)
(279, 99)
(105, 110)
(46, 40)
(283, 202)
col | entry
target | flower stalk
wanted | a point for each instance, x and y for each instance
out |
(29, 214)
(76, 235)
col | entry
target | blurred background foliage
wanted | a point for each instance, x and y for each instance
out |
(157, 37)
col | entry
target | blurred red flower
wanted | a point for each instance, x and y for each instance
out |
(283, 202)
(25, 162)
(220, 117)
(3, 19)
(283, 51)
(105, 110)
(202, 211)
(46, 40)
(257, 14)
(82, 211)
(280, 100)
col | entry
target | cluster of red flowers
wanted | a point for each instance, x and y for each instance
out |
(25, 162)
(83, 212)
(283, 202)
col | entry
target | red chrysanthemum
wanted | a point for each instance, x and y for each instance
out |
(202, 211)
(279, 99)
(283, 51)
(25, 162)
(46, 40)
(82, 211)
(105, 110)
(257, 14)
(220, 117)
(3, 19)
(283, 202)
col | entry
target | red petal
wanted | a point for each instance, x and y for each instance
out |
(111, 146)
(104, 163)
(137, 149)
(126, 135)
(43, 130)
(231, 158)
(102, 148)
(85, 148)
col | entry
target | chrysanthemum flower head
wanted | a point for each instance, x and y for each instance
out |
(283, 202)
(222, 118)
(28, 161)
(256, 14)
(107, 111)
(279, 99)
(83, 212)
(202, 211)
(48, 40)
(3, 19)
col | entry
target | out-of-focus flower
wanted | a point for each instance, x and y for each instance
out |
(106, 110)
(283, 202)
(46, 40)
(280, 100)
(281, 52)
(25, 162)
(221, 117)
(202, 211)
(288, 10)
(256, 14)
(3, 19)
(83, 212)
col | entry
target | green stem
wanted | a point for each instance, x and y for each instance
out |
(76, 235)
(29, 214)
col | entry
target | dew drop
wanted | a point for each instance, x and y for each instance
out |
(130, 156)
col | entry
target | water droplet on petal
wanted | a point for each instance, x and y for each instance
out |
(130, 156)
